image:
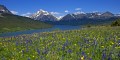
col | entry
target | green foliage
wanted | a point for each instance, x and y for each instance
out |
(99, 43)
(88, 26)
(116, 23)
(11, 23)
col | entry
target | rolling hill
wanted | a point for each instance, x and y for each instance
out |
(11, 23)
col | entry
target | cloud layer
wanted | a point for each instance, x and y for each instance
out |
(55, 13)
(78, 8)
(14, 12)
(27, 14)
(66, 11)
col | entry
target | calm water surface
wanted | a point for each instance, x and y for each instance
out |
(56, 27)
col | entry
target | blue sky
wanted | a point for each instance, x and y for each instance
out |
(61, 7)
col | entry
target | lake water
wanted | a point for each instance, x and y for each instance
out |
(56, 27)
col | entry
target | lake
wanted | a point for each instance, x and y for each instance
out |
(56, 27)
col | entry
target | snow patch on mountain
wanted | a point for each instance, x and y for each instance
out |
(43, 15)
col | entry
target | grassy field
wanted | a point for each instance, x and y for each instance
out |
(95, 43)
(12, 23)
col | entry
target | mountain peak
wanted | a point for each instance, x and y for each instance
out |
(3, 9)
(43, 15)
(41, 11)
(108, 14)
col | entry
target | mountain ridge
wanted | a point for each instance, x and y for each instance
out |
(47, 16)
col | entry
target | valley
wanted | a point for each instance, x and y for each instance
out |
(59, 30)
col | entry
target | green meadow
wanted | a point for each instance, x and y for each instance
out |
(94, 43)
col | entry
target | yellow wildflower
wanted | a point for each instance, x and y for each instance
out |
(110, 45)
(33, 56)
(13, 59)
(14, 48)
(102, 46)
(82, 58)
(112, 42)
(20, 52)
(63, 38)
(75, 44)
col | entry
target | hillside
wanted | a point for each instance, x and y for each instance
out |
(11, 23)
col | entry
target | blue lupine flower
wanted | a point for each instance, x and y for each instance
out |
(109, 58)
(103, 56)
(83, 53)
(28, 58)
(17, 43)
(90, 59)
(38, 51)
(63, 48)
(27, 49)
(45, 51)
(69, 51)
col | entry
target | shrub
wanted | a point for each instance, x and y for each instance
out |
(116, 23)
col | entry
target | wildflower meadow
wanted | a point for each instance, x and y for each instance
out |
(101, 43)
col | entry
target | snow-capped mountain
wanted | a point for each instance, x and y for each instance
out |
(81, 18)
(3, 9)
(43, 15)
(93, 15)
(74, 16)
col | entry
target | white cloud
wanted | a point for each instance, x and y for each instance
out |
(78, 8)
(55, 13)
(79, 12)
(14, 12)
(27, 14)
(66, 11)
